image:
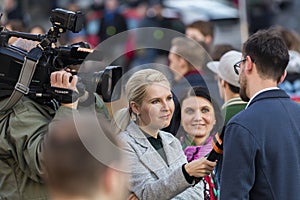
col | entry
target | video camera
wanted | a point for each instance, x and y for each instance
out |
(52, 59)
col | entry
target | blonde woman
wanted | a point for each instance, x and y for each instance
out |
(159, 168)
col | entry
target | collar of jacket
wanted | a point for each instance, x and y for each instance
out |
(148, 155)
(276, 93)
(135, 132)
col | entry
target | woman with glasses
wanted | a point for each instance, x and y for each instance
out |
(262, 143)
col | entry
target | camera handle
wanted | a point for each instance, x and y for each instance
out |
(22, 86)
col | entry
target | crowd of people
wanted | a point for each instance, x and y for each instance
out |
(157, 143)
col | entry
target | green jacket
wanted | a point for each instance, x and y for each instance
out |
(21, 137)
(232, 107)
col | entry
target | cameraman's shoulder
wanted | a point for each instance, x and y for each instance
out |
(28, 105)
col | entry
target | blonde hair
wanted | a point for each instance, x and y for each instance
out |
(135, 90)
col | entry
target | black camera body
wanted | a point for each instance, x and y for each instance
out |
(53, 59)
(67, 20)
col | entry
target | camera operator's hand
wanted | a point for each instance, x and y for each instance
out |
(65, 80)
(200, 167)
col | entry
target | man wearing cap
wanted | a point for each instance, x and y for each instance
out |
(229, 87)
(228, 82)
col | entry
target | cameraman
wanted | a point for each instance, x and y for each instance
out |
(22, 131)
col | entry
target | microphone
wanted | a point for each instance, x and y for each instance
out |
(217, 143)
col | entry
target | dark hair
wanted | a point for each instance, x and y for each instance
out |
(269, 52)
(16, 25)
(69, 166)
(233, 88)
(290, 37)
(199, 91)
(205, 27)
(219, 50)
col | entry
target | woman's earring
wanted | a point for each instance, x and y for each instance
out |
(134, 117)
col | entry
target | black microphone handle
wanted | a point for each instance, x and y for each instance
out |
(218, 144)
(213, 156)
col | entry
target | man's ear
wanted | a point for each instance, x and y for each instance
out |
(208, 39)
(184, 65)
(248, 65)
(134, 107)
(182, 62)
(223, 83)
(282, 77)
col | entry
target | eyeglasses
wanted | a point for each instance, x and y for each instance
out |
(237, 66)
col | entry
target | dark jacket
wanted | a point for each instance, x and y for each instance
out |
(262, 150)
(111, 24)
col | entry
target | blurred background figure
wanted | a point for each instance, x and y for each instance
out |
(155, 17)
(186, 61)
(14, 25)
(134, 12)
(37, 29)
(13, 11)
(202, 32)
(72, 171)
(260, 14)
(219, 50)
(93, 15)
(112, 22)
(77, 37)
(291, 83)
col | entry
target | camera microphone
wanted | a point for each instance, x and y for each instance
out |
(217, 143)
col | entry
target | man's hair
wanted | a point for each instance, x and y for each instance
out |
(70, 168)
(233, 88)
(205, 27)
(290, 37)
(219, 50)
(191, 51)
(269, 52)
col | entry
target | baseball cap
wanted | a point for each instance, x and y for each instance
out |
(294, 63)
(224, 67)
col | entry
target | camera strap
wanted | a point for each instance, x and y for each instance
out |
(22, 86)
